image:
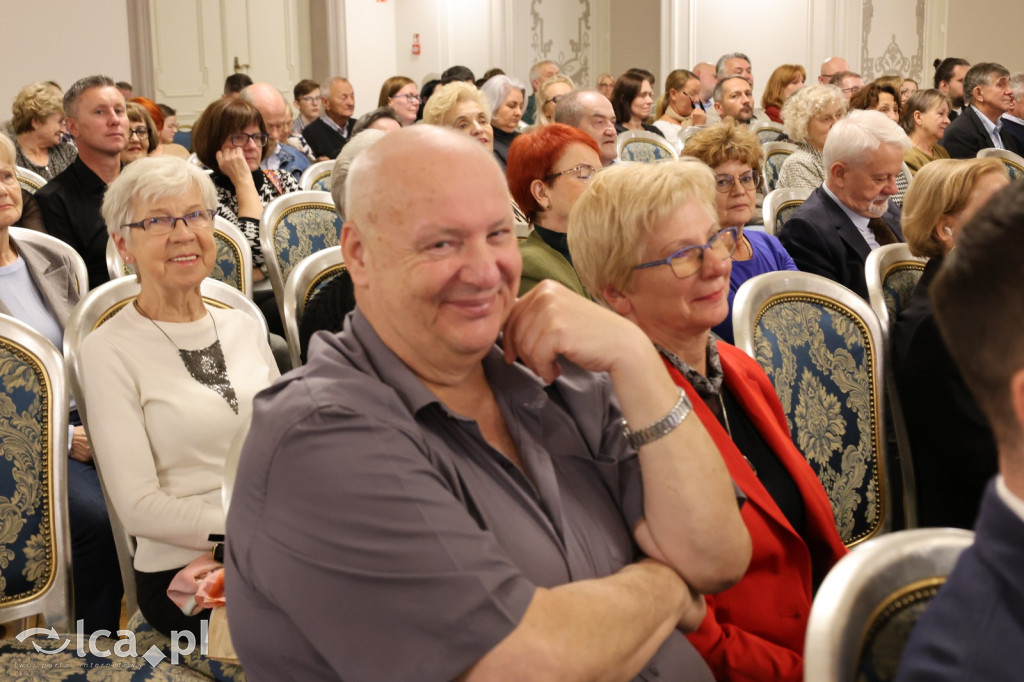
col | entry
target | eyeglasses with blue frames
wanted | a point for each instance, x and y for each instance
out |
(749, 180)
(583, 171)
(165, 224)
(688, 260)
(241, 139)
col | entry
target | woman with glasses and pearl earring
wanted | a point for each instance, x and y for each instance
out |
(171, 380)
(734, 154)
(646, 241)
(230, 138)
(548, 168)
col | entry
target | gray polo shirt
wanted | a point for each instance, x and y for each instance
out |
(375, 535)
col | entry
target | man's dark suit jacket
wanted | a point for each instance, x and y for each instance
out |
(966, 136)
(325, 140)
(1015, 130)
(974, 628)
(821, 239)
(953, 450)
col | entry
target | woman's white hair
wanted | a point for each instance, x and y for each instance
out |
(149, 180)
(8, 154)
(862, 132)
(805, 104)
(496, 90)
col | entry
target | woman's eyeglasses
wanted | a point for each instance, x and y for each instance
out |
(583, 171)
(749, 180)
(241, 139)
(688, 260)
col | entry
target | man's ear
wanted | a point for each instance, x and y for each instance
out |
(354, 251)
(1017, 398)
(837, 173)
(718, 108)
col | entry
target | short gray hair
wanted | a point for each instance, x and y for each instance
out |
(720, 64)
(325, 87)
(356, 146)
(571, 109)
(148, 180)
(806, 103)
(535, 69)
(980, 74)
(496, 90)
(859, 135)
(1017, 85)
(74, 93)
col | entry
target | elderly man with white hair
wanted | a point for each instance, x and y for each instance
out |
(850, 214)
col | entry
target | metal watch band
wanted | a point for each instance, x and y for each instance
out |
(662, 427)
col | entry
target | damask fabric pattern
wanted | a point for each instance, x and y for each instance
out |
(645, 151)
(303, 230)
(785, 212)
(821, 366)
(26, 528)
(227, 267)
(773, 167)
(898, 286)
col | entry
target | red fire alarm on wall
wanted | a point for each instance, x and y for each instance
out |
(415, 43)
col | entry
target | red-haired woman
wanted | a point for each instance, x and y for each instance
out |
(548, 168)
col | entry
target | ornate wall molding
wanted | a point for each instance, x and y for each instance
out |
(894, 58)
(568, 43)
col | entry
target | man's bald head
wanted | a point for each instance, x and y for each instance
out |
(272, 107)
(831, 67)
(386, 179)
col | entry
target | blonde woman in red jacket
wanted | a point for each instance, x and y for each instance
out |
(645, 239)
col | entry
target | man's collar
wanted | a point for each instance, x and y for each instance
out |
(342, 130)
(1013, 119)
(985, 120)
(859, 221)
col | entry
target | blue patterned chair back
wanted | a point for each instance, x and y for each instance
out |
(779, 206)
(867, 605)
(293, 227)
(775, 154)
(768, 131)
(35, 545)
(317, 177)
(645, 147)
(1014, 162)
(30, 181)
(309, 277)
(821, 346)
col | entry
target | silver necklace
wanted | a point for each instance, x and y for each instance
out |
(206, 365)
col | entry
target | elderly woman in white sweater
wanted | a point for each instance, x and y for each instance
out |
(171, 380)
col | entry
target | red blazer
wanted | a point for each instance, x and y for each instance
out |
(755, 630)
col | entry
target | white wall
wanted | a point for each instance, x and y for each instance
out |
(369, 42)
(62, 41)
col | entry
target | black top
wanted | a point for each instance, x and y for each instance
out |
(502, 140)
(559, 241)
(766, 464)
(619, 128)
(70, 204)
(325, 140)
(951, 445)
(327, 309)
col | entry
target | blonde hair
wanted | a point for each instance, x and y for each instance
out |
(542, 95)
(8, 154)
(942, 187)
(35, 102)
(447, 96)
(719, 143)
(623, 205)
